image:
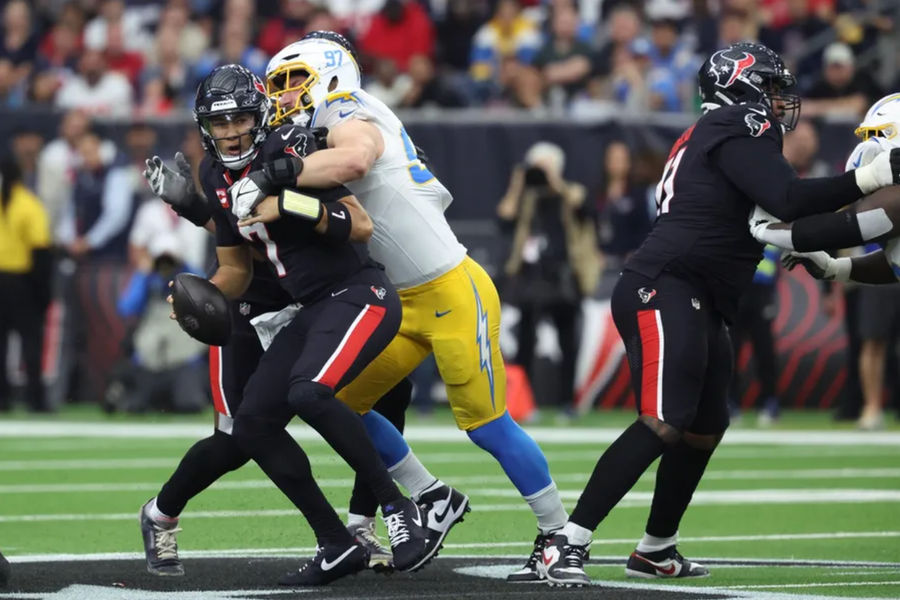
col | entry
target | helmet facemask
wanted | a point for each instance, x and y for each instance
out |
(785, 106)
(291, 78)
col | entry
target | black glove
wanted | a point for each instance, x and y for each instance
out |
(268, 181)
(176, 188)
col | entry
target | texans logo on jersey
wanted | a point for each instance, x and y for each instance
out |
(729, 68)
(757, 123)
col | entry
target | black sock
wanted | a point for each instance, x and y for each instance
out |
(827, 231)
(391, 406)
(286, 464)
(344, 431)
(615, 473)
(680, 470)
(204, 463)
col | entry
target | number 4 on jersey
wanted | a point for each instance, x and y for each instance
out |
(418, 171)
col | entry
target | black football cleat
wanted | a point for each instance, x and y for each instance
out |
(562, 563)
(380, 558)
(530, 573)
(407, 534)
(329, 564)
(443, 507)
(160, 546)
(663, 564)
(5, 571)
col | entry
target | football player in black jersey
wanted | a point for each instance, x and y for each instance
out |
(349, 313)
(230, 367)
(679, 290)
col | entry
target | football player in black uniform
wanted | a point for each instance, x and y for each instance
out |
(230, 367)
(349, 313)
(680, 289)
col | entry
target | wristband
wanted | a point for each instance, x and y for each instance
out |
(196, 210)
(294, 204)
(339, 223)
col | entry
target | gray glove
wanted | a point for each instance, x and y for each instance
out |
(819, 264)
(176, 188)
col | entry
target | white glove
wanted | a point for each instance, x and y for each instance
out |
(820, 265)
(759, 220)
(245, 195)
(884, 170)
(761, 230)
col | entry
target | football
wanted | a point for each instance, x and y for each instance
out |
(201, 309)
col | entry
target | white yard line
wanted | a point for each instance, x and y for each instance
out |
(425, 433)
(244, 484)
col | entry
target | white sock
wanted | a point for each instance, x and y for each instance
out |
(158, 516)
(412, 474)
(650, 543)
(548, 508)
(355, 520)
(576, 534)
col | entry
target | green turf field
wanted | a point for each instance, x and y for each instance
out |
(834, 498)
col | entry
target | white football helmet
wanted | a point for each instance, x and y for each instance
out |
(882, 120)
(302, 74)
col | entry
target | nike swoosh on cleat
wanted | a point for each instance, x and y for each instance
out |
(444, 516)
(418, 519)
(670, 570)
(327, 566)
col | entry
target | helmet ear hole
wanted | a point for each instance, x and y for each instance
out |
(332, 84)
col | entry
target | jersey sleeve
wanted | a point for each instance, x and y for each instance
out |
(292, 140)
(739, 121)
(339, 107)
(864, 153)
(226, 235)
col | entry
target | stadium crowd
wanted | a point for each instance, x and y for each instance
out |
(138, 61)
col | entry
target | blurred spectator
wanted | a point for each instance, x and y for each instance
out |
(757, 310)
(119, 58)
(639, 86)
(96, 89)
(456, 31)
(508, 37)
(670, 54)
(564, 60)
(234, 47)
(288, 26)
(400, 30)
(623, 220)
(842, 88)
(428, 87)
(190, 39)
(801, 149)
(20, 40)
(167, 83)
(553, 262)
(388, 84)
(115, 12)
(57, 163)
(96, 223)
(167, 364)
(25, 276)
(12, 88)
(622, 28)
(27, 144)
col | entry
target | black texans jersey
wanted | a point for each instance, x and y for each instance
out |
(701, 231)
(306, 264)
(265, 292)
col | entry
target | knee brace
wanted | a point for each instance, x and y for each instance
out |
(309, 399)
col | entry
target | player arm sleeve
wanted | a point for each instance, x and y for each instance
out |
(758, 169)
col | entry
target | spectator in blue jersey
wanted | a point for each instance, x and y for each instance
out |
(508, 36)
(165, 362)
(756, 312)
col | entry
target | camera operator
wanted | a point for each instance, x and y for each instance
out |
(553, 261)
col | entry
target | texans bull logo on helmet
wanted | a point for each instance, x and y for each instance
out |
(730, 67)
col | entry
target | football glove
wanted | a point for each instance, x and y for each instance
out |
(176, 188)
(268, 181)
(884, 170)
(820, 265)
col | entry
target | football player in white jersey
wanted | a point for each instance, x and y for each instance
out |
(450, 305)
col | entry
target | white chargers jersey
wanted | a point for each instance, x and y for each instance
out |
(862, 155)
(406, 202)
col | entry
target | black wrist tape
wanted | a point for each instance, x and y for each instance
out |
(295, 204)
(283, 172)
(196, 210)
(339, 223)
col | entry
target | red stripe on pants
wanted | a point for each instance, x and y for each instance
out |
(650, 357)
(215, 380)
(350, 347)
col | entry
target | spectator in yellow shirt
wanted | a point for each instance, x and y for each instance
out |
(25, 281)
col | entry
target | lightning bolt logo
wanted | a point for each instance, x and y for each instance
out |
(483, 338)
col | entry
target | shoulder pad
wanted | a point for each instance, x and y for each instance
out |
(739, 120)
(289, 139)
(337, 107)
(865, 152)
